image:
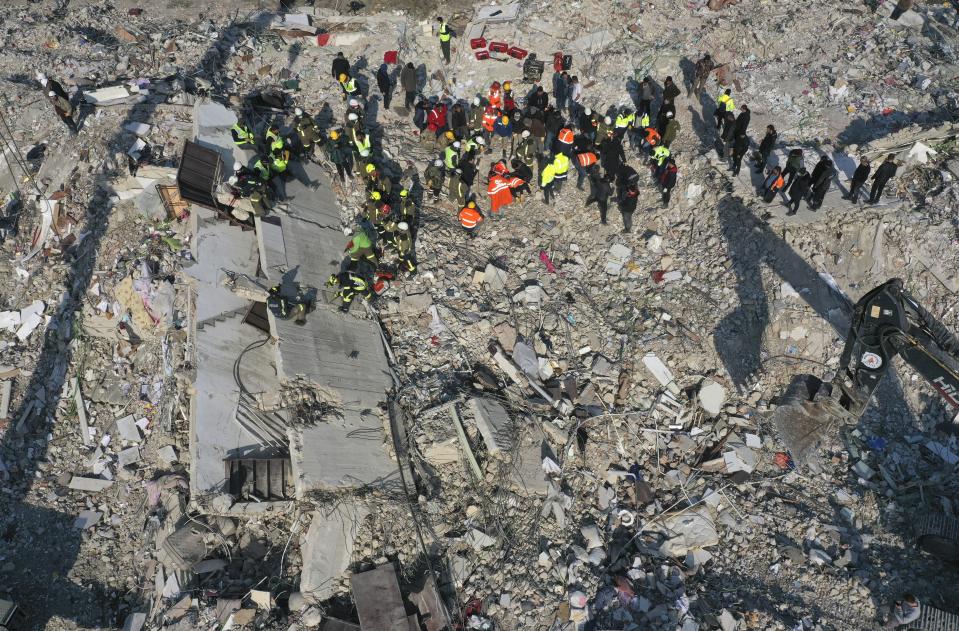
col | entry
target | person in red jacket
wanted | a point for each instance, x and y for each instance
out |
(436, 119)
(495, 96)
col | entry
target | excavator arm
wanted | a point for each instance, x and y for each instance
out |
(886, 322)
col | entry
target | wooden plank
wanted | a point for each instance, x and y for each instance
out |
(81, 412)
(379, 603)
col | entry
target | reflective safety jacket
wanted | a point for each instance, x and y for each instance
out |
(561, 165)
(470, 217)
(586, 159)
(242, 135)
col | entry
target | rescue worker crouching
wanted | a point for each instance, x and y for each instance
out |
(402, 242)
(351, 285)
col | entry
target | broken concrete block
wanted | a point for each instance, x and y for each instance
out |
(493, 423)
(863, 470)
(93, 485)
(478, 539)
(208, 566)
(127, 428)
(712, 396)
(727, 622)
(445, 452)
(135, 622)
(495, 277)
(167, 455)
(327, 549)
(129, 456)
(686, 530)
(87, 519)
(659, 370)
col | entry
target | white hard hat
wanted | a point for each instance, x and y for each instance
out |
(298, 112)
(669, 114)
(354, 103)
(476, 101)
(353, 117)
(480, 140)
(237, 166)
(588, 111)
(403, 226)
(233, 179)
(456, 144)
(438, 163)
(525, 133)
(608, 120)
(51, 93)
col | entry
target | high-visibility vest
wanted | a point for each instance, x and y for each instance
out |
(547, 175)
(360, 241)
(566, 135)
(644, 121)
(489, 119)
(495, 98)
(276, 143)
(450, 157)
(497, 183)
(624, 121)
(242, 135)
(730, 105)
(652, 136)
(470, 217)
(561, 164)
(444, 33)
(262, 169)
(660, 154)
(349, 86)
(470, 145)
(361, 144)
(586, 159)
(279, 164)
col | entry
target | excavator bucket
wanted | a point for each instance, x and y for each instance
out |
(805, 417)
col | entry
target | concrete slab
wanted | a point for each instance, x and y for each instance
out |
(379, 603)
(493, 422)
(327, 549)
(527, 472)
(93, 485)
(342, 453)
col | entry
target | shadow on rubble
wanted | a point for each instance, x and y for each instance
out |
(752, 246)
(867, 129)
(39, 580)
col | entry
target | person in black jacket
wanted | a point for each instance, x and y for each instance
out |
(554, 122)
(742, 121)
(821, 177)
(728, 134)
(385, 84)
(858, 179)
(740, 149)
(883, 174)
(794, 163)
(798, 190)
(670, 91)
(540, 99)
(588, 121)
(611, 156)
(765, 148)
(524, 173)
(627, 206)
(600, 189)
(340, 66)
(458, 121)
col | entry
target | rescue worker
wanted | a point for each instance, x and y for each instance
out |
(436, 119)
(262, 168)
(671, 130)
(361, 149)
(451, 156)
(379, 183)
(628, 198)
(489, 124)
(660, 154)
(495, 96)
(470, 218)
(651, 138)
(701, 73)
(386, 223)
(475, 119)
(360, 248)
(64, 110)
(445, 34)
(274, 141)
(503, 129)
(509, 103)
(526, 150)
(765, 148)
(402, 242)
(244, 181)
(243, 135)
(279, 162)
(773, 184)
(561, 164)
(500, 190)
(433, 177)
(339, 154)
(668, 180)
(547, 178)
(625, 121)
(371, 209)
(883, 174)
(407, 207)
(564, 142)
(604, 129)
(588, 124)
(351, 285)
(348, 84)
(260, 200)
(585, 166)
(307, 131)
(600, 189)
(724, 104)
(359, 114)
(340, 65)
(859, 178)
(458, 189)
(524, 173)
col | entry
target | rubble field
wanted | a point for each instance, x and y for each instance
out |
(553, 425)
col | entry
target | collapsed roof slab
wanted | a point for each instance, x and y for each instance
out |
(327, 549)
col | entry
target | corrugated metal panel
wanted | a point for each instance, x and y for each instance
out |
(199, 174)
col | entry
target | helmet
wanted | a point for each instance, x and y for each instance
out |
(437, 163)
(404, 193)
(476, 101)
(669, 114)
(507, 85)
(494, 85)
(298, 112)
(525, 133)
(233, 179)
(456, 144)
(588, 111)
(505, 120)
(354, 103)
(237, 166)
(402, 226)
(480, 140)
(385, 209)
(608, 120)
(353, 117)
(370, 168)
(458, 171)
(375, 195)
(450, 134)
(334, 134)
(342, 77)
(472, 204)
(51, 93)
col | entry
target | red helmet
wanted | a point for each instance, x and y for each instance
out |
(494, 86)
(500, 168)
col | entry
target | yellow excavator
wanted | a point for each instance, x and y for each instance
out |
(886, 322)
